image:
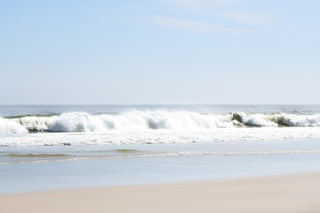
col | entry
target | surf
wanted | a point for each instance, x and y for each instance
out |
(151, 120)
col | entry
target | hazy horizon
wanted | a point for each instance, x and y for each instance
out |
(196, 104)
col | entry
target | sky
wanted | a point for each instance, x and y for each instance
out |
(159, 52)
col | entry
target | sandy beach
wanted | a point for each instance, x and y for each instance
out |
(291, 193)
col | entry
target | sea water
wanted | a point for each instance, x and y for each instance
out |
(50, 147)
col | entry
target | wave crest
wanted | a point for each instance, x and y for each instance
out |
(10, 126)
(152, 120)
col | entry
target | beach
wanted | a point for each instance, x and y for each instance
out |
(287, 193)
(149, 159)
(159, 106)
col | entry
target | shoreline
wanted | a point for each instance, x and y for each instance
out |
(285, 193)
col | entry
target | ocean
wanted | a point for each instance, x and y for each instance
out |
(61, 146)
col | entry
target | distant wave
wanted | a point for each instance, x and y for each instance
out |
(277, 119)
(151, 120)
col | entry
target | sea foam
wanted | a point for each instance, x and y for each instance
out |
(150, 120)
(10, 126)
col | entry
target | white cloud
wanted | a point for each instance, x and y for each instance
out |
(222, 16)
(182, 24)
(243, 17)
(224, 9)
(200, 3)
(195, 26)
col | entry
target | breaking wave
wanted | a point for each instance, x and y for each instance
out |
(151, 120)
(10, 126)
(277, 119)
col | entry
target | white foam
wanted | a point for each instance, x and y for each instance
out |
(9, 127)
(137, 120)
(36, 123)
(77, 122)
(257, 119)
(299, 120)
(164, 136)
(151, 120)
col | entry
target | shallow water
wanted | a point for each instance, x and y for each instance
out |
(53, 147)
(110, 172)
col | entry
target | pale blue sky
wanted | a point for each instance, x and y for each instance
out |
(160, 52)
